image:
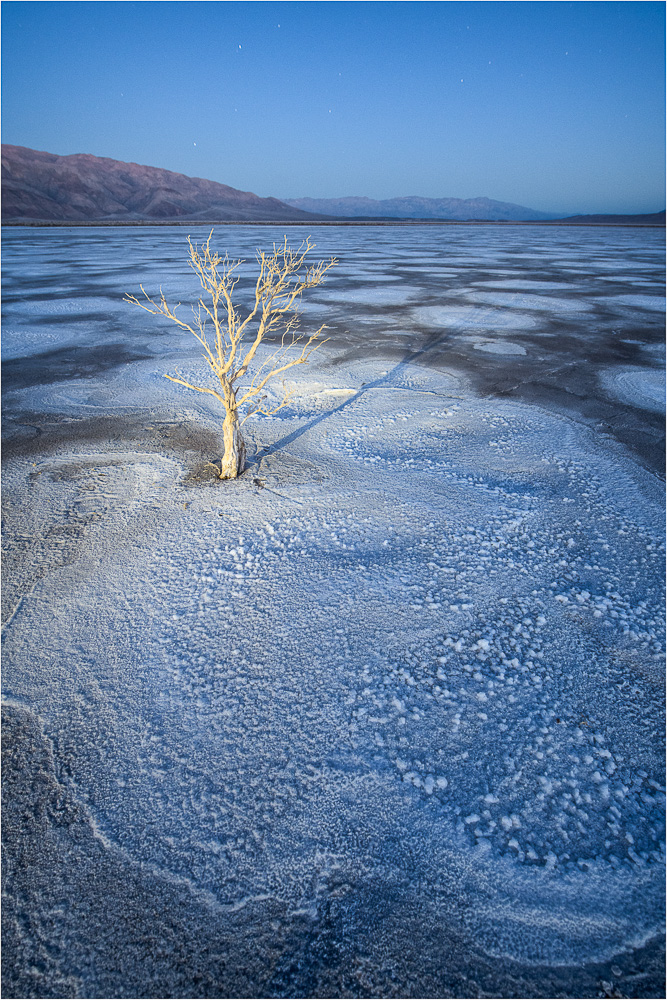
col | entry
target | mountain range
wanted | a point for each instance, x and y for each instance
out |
(39, 187)
(415, 207)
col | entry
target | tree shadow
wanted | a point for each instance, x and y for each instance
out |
(410, 357)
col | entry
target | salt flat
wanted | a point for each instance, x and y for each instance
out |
(381, 717)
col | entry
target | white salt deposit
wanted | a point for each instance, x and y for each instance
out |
(524, 285)
(499, 347)
(394, 693)
(650, 302)
(520, 300)
(643, 387)
(472, 317)
(323, 609)
(371, 296)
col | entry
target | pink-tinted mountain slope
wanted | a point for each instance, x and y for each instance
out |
(85, 188)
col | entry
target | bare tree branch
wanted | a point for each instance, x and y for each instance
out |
(280, 284)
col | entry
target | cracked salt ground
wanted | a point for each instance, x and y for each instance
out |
(377, 671)
(377, 719)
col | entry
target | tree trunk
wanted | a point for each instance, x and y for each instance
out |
(233, 460)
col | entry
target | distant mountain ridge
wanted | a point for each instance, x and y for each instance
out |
(415, 207)
(85, 188)
(45, 188)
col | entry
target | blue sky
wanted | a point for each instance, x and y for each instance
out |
(552, 105)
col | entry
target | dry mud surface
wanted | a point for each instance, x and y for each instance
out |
(380, 718)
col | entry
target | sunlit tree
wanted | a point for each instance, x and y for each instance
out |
(231, 341)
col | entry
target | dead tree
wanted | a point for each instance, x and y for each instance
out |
(230, 350)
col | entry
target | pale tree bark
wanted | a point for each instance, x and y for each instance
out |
(232, 355)
(232, 462)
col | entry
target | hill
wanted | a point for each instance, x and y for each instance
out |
(85, 188)
(414, 207)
